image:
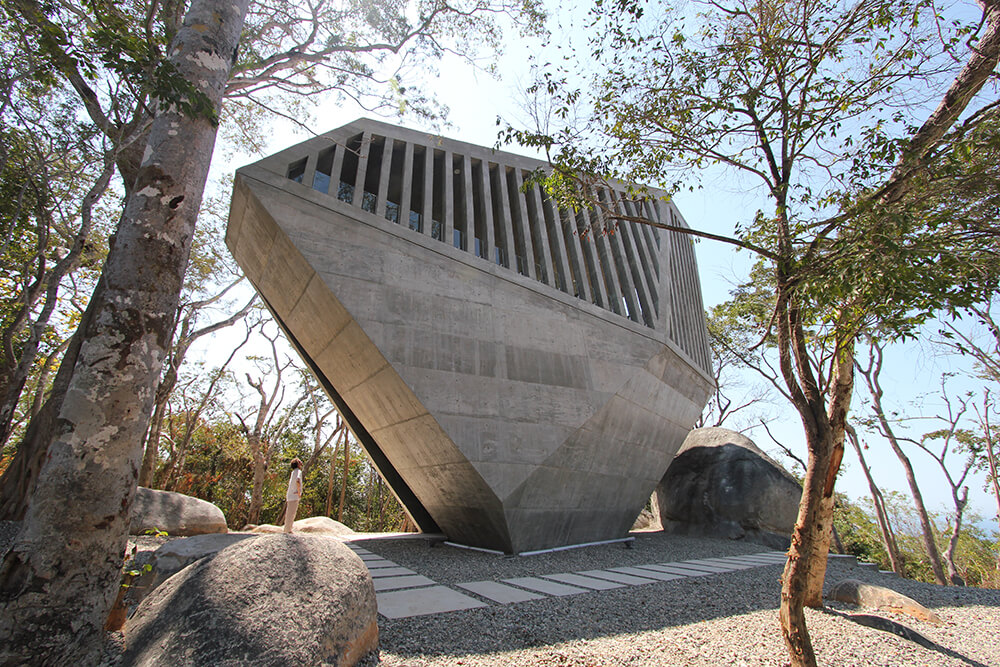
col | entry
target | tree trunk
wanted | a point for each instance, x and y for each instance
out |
(329, 482)
(343, 485)
(824, 426)
(927, 530)
(152, 445)
(257, 492)
(954, 576)
(875, 389)
(60, 578)
(878, 502)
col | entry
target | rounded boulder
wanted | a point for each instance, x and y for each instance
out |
(174, 513)
(721, 485)
(272, 600)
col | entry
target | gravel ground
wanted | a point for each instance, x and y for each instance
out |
(725, 619)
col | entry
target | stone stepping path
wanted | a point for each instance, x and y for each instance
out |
(402, 593)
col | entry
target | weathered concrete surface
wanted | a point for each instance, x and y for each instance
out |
(507, 412)
(270, 600)
(174, 513)
(721, 485)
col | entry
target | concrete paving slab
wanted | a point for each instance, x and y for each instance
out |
(752, 562)
(370, 556)
(545, 586)
(707, 567)
(424, 601)
(673, 568)
(728, 565)
(358, 550)
(499, 592)
(379, 564)
(390, 572)
(651, 574)
(766, 558)
(586, 582)
(617, 576)
(393, 583)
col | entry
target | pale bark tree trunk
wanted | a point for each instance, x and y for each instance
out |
(60, 578)
(878, 502)
(871, 375)
(960, 499)
(259, 470)
(343, 485)
(802, 581)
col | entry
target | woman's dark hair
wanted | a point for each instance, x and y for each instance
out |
(296, 463)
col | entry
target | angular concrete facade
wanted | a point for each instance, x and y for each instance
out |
(520, 385)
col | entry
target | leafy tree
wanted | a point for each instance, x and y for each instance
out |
(732, 349)
(805, 99)
(163, 78)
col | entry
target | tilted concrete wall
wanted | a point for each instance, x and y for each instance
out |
(522, 386)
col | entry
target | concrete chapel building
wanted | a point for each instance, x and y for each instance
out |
(520, 382)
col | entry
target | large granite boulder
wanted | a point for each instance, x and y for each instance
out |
(318, 525)
(721, 485)
(174, 513)
(272, 600)
(173, 557)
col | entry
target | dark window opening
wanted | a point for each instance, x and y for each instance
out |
(437, 200)
(569, 236)
(535, 230)
(297, 170)
(591, 272)
(349, 169)
(324, 168)
(415, 214)
(500, 222)
(517, 224)
(553, 236)
(369, 196)
(394, 192)
(479, 205)
(458, 199)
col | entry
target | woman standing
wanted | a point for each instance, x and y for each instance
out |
(293, 495)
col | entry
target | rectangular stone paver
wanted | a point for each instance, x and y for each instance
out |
(719, 562)
(617, 576)
(673, 568)
(652, 574)
(368, 557)
(423, 601)
(358, 550)
(748, 560)
(390, 572)
(544, 586)
(586, 582)
(392, 583)
(766, 558)
(707, 567)
(499, 592)
(379, 564)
